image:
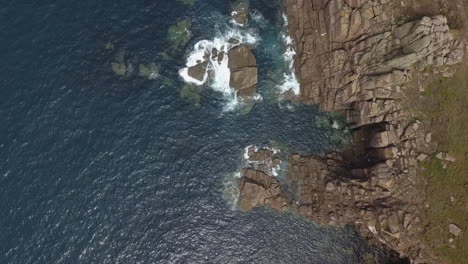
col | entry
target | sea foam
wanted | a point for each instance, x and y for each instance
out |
(217, 74)
(290, 82)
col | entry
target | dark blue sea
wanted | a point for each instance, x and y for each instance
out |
(101, 167)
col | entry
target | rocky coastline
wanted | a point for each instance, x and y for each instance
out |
(356, 58)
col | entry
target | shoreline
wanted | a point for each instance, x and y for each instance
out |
(357, 59)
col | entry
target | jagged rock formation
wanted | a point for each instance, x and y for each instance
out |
(354, 58)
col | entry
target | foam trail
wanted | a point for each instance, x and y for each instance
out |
(290, 82)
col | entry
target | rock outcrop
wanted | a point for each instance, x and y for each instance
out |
(355, 59)
(243, 67)
(242, 63)
(240, 12)
(260, 189)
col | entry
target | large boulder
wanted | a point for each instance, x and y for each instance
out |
(258, 189)
(198, 71)
(244, 73)
(241, 56)
(244, 81)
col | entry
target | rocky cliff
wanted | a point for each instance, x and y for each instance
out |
(356, 58)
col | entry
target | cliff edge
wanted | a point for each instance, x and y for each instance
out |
(358, 58)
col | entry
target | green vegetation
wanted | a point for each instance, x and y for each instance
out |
(151, 71)
(179, 34)
(445, 109)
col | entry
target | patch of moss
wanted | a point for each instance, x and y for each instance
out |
(179, 34)
(445, 108)
(151, 71)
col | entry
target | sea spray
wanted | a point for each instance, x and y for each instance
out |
(217, 73)
(290, 82)
(231, 189)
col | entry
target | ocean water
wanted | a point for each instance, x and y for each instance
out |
(98, 167)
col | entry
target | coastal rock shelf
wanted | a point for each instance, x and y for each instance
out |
(354, 58)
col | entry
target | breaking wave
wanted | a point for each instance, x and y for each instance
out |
(290, 82)
(214, 52)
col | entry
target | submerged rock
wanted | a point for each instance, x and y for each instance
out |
(240, 12)
(151, 71)
(191, 93)
(179, 34)
(119, 68)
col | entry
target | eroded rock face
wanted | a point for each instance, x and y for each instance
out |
(343, 44)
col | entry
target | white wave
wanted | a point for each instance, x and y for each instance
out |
(217, 73)
(336, 125)
(285, 19)
(233, 21)
(231, 189)
(232, 102)
(290, 82)
(275, 169)
(258, 97)
(246, 152)
(257, 17)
